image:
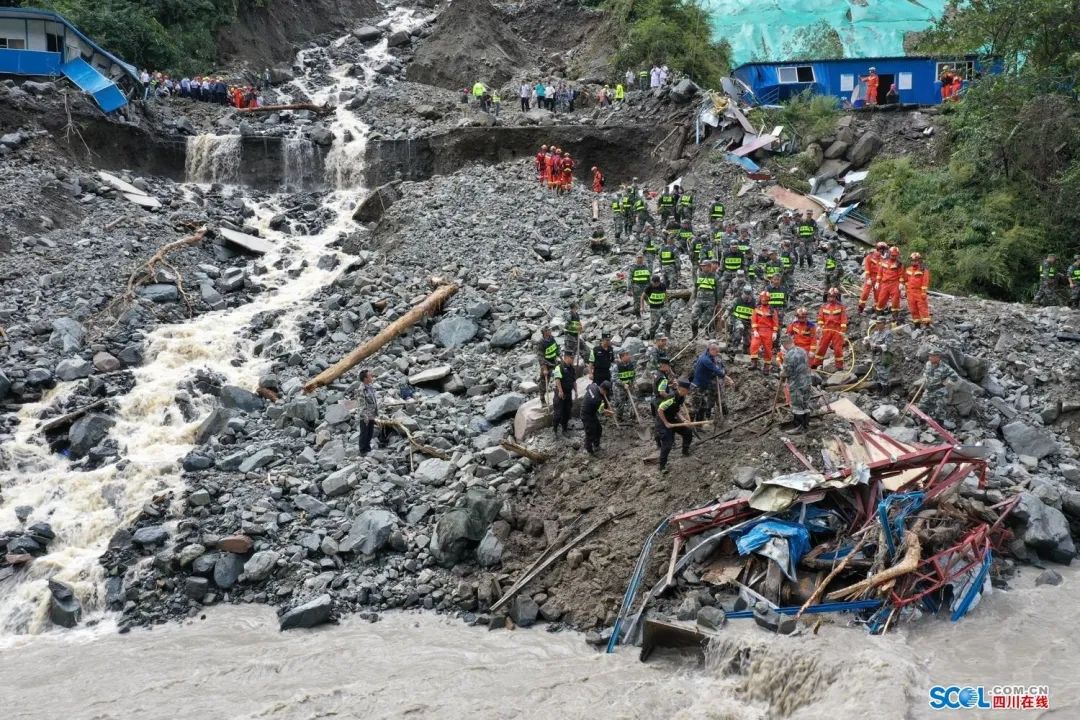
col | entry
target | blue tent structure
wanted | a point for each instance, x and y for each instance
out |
(916, 78)
(42, 43)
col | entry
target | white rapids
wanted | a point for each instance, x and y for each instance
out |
(85, 509)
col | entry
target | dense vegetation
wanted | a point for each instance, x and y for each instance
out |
(671, 32)
(169, 35)
(1006, 191)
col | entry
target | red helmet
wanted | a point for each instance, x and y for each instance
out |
(763, 297)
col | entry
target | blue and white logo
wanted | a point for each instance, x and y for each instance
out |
(953, 697)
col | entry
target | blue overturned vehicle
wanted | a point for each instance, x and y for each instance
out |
(42, 43)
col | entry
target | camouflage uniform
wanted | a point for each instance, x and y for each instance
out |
(622, 390)
(797, 372)
(834, 271)
(706, 296)
(880, 344)
(936, 382)
(1073, 275)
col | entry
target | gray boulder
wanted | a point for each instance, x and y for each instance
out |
(454, 332)
(524, 611)
(73, 369)
(227, 570)
(86, 432)
(503, 406)
(1045, 529)
(430, 375)
(434, 471)
(508, 335)
(259, 566)
(196, 587)
(490, 551)
(401, 37)
(213, 425)
(258, 460)
(303, 409)
(310, 505)
(159, 292)
(684, 91)
(237, 398)
(312, 613)
(369, 532)
(367, 33)
(150, 535)
(746, 476)
(458, 532)
(340, 482)
(864, 149)
(711, 618)
(67, 335)
(5, 385)
(1027, 440)
(64, 608)
(106, 363)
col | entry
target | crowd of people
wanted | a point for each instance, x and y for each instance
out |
(555, 169)
(780, 304)
(203, 88)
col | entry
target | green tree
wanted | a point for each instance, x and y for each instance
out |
(671, 32)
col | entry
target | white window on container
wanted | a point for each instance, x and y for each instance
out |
(903, 81)
(13, 43)
(787, 75)
(847, 83)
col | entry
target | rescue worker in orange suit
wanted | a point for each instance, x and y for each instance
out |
(871, 81)
(567, 178)
(597, 180)
(890, 274)
(764, 323)
(549, 158)
(540, 162)
(870, 265)
(803, 330)
(555, 176)
(917, 284)
(832, 318)
(946, 80)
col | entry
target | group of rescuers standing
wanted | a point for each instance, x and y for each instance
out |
(723, 272)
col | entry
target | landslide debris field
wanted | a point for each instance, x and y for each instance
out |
(155, 431)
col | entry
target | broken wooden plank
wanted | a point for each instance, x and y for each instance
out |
(735, 112)
(760, 143)
(251, 243)
(511, 446)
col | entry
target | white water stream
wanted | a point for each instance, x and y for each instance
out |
(86, 508)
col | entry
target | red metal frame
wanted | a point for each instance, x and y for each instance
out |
(698, 521)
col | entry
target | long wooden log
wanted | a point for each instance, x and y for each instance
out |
(65, 420)
(816, 595)
(429, 306)
(514, 447)
(909, 563)
(321, 109)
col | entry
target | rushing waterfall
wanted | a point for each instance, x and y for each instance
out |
(213, 159)
(299, 161)
(86, 508)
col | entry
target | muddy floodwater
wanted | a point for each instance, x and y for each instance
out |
(235, 664)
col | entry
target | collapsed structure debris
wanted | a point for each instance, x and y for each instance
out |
(881, 515)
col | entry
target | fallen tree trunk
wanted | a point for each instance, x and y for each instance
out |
(429, 306)
(909, 563)
(514, 447)
(321, 109)
(68, 419)
(416, 444)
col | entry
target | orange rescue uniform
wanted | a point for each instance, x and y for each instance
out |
(803, 332)
(832, 317)
(917, 281)
(871, 89)
(597, 181)
(764, 323)
(870, 272)
(890, 273)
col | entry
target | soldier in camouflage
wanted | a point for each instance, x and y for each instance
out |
(879, 343)
(834, 271)
(797, 372)
(937, 380)
(623, 387)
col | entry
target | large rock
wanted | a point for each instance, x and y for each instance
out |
(73, 369)
(159, 292)
(310, 505)
(213, 425)
(377, 202)
(86, 432)
(508, 335)
(340, 482)
(64, 607)
(454, 332)
(5, 385)
(237, 398)
(460, 530)
(524, 611)
(227, 570)
(369, 532)
(67, 335)
(398, 39)
(150, 535)
(258, 460)
(367, 33)
(532, 417)
(864, 149)
(434, 471)
(684, 91)
(106, 363)
(305, 409)
(430, 375)
(490, 551)
(502, 406)
(1045, 529)
(312, 613)
(259, 566)
(1027, 440)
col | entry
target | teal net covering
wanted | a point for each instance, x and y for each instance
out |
(765, 29)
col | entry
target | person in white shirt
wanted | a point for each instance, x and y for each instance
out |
(664, 74)
(631, 78)
(654, 77)
(525, 94)
(549, 95)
